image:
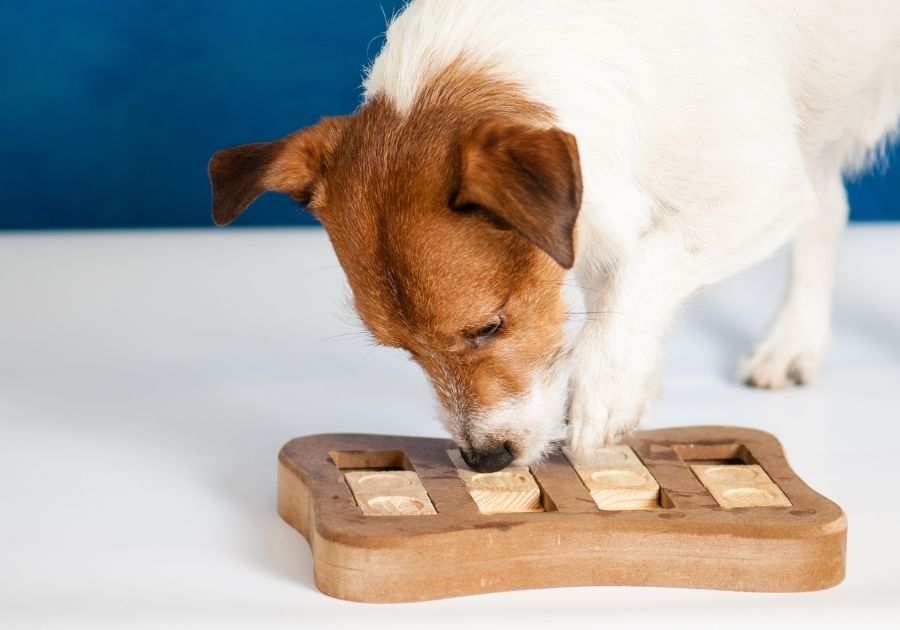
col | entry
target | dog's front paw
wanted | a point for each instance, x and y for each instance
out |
(605, 407)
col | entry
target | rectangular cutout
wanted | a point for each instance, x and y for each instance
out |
(370, 460)
(727, 453)
(617, 479)
(383, 483)
(740, 485)
(511, 490)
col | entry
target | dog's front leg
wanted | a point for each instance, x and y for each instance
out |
(615, 359)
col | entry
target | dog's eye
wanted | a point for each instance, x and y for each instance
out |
(483, 334)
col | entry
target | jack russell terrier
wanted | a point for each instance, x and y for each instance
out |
(642, 149)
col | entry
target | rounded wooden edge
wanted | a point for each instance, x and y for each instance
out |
(344, 573)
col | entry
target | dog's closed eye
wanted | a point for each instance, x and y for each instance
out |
(481, 335)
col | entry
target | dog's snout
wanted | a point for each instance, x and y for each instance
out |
(487, 460)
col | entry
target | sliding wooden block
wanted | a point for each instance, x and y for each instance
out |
(383, 481)
(395, 505)
(626, 488)
(738, 485)
(615, 455)
(389, 493)
(508, 491)
(616, 478)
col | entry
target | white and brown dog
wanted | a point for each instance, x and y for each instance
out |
(643, 149)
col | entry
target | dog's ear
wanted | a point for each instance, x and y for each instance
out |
(526, 179)
(291, 165)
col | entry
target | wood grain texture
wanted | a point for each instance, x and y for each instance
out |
(739, 485)
(389, 492)
(617, 479)
(612, 456)
(688, 541)
(510, 490)
(621, 488)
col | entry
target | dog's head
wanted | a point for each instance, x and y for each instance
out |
(454, 231)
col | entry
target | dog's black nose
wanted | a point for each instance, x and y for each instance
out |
(488, 460)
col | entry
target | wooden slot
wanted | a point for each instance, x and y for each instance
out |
(371, 460)
(383, 482)
(725, 454)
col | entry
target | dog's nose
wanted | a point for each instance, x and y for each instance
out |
(488, 460)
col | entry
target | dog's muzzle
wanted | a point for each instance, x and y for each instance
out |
(488, 460)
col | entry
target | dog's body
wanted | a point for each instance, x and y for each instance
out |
(708, 134)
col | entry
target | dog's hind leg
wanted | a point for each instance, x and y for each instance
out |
(797, 341)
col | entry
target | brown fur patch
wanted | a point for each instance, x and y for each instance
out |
(526, 178)
(292, 165)
(424, 275)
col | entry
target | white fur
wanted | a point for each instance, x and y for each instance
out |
(530, 421)
(711, 132)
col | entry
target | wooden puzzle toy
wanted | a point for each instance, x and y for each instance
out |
(394, 519)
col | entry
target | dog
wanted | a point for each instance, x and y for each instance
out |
(640, 149)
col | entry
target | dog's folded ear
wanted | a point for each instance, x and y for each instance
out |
(527, 179)
(291, 165)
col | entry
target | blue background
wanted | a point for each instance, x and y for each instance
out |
(110, 110)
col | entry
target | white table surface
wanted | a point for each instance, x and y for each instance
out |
(148, 379)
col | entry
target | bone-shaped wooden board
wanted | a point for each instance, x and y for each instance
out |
(393, 519)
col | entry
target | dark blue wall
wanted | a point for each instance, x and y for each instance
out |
(110, 110)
